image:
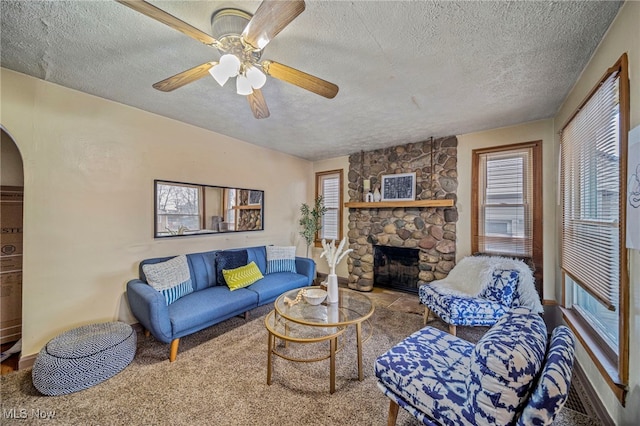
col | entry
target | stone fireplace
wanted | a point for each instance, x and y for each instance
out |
(431, 231)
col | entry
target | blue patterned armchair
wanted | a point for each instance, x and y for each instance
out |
(479, 290)
(511, 376)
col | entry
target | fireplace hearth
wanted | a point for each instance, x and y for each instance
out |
(397, 268)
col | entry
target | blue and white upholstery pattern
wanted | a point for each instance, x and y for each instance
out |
(500, 290)
(460, 309)
(444, 380)
(552, 390)
(427, 370)
(503, 367)
(82, 357)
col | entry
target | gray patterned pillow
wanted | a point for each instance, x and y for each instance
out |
(171, 278)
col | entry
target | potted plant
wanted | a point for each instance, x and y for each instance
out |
(310, 220)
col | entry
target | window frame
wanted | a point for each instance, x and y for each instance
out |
(613, 367)
(536, 201)
(318, 192)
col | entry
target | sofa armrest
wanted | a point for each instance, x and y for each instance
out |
(150, 309)
(307, 267)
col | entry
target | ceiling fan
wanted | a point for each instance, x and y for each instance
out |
(240, 39)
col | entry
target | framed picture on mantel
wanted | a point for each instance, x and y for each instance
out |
(399, 187)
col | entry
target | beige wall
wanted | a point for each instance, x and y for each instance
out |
(527, 132)
(623, 36)
(89, 166)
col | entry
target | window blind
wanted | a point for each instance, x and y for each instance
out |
(590, 176)
(330, 185)
(505, 207)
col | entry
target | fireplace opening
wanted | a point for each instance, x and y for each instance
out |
(396, 267)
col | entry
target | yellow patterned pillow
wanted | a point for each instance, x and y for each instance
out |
(243, 276)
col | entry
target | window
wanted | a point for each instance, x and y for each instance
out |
(507, 202)
(329, 186)
(178, 208)
(593, 165)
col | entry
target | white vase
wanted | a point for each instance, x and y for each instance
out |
(333, 314)
(332, 288)
(376, 195)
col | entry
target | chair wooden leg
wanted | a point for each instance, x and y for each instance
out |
(147, 333)
(173, 352)
(427, 312)
(393, 413)
(452, 329)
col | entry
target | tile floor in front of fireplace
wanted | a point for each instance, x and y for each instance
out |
(396, 300)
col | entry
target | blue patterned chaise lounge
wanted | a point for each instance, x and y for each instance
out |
(479, 290)
(511, 376)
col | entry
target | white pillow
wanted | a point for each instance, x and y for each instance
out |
(171, 278)
(281, 259)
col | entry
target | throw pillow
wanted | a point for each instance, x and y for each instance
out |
(243, 276)
(171, 278)
(229, 259)
(502, 287)
(281, 259)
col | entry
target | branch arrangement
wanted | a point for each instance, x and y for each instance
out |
(334, 255)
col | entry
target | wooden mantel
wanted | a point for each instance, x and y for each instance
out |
(394, 204)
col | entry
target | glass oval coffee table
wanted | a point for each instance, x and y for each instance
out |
(302, 322)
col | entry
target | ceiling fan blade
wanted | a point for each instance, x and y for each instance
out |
(300, 79)
(183, 78)
(258, 104)
(270, 18)
(161, 16)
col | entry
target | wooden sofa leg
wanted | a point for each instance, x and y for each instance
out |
(173, 352)
(147, 333)
(246, 316)
(427, 312)
(393, 413)
(452, 329)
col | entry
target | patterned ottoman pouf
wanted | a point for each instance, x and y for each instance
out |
(85, 356)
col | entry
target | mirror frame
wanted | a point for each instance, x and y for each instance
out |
(245, 202)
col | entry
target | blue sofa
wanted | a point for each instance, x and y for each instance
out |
(211, 302)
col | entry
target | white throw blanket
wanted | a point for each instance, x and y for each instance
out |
(473, 274)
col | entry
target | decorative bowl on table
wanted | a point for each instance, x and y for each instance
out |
(315, 296)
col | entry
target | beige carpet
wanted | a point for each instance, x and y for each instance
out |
(219, 378)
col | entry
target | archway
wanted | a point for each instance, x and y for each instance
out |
(11, 208)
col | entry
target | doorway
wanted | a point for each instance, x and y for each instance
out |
(11, 231)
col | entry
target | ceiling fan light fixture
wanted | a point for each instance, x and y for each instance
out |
(231, 64)
(256, 77)
(243, 86)
(219, 74)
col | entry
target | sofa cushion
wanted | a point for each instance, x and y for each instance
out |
(242, 277)
(461, 310)
(504, 365)
(171, 278)
(428, 371)
(281, 259)
(502, 287)
(273, 285)
(206, 307)
(229, 259)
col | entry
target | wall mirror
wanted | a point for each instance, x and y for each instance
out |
(191, 209)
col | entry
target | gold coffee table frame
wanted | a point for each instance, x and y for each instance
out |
(305, 323)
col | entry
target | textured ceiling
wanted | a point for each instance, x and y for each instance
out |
(407, 70)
